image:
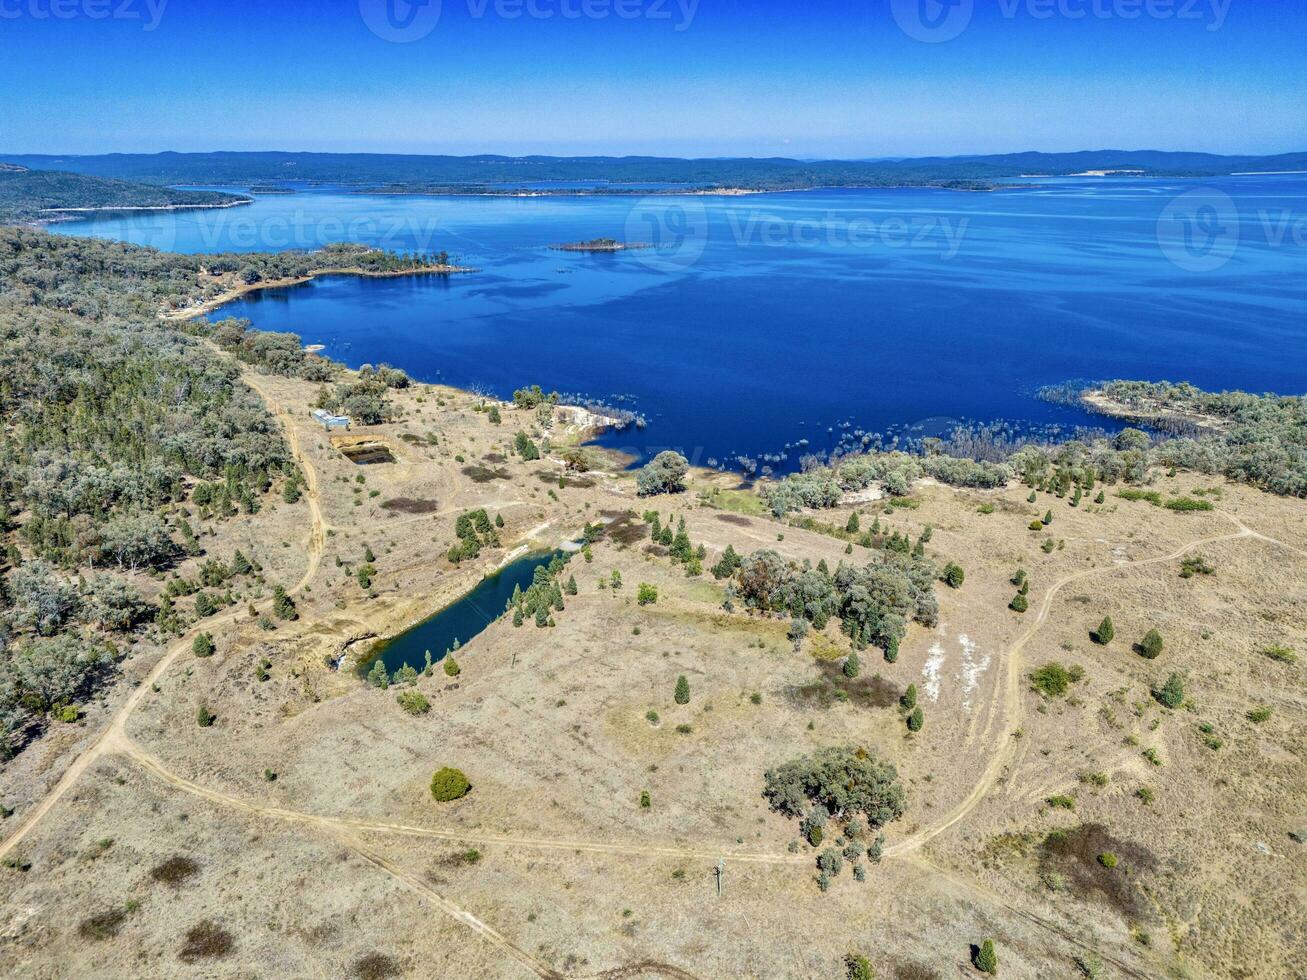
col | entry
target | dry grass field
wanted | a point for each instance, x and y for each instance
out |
(297, 835)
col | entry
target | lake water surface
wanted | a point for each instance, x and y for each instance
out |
(779, 320)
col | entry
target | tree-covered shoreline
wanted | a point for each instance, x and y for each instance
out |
(120, 436)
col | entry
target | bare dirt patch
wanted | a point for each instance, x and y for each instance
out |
(408, 505)
(206, 940)
(1076, 855)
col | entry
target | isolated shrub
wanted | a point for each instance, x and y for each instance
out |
(909, 699)
(1062, 802)
(1108, 860)
(1196, 565)
(1151, 645)
(451, 667)
(1052, 679)
(378, 676)
(1019, 603)
(986, 958)
(645, 800)
(852, 665)
(1171, 694)
(205, 606)
(857, 967)
(646, 594)
(448, 785)
(1105, 633)
(525, 448)
(413, 701)
(202, 645)
(682, 690)
(204, 717)
(1280, 654)
(1185, 505)
(1259, 715)
(830, 862)
(954, 576)
(916, 720)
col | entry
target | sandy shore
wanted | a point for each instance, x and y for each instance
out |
(243, 289)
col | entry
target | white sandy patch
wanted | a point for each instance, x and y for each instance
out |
(973, 669)
(931, 671)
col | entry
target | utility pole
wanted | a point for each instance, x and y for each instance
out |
(720, 870)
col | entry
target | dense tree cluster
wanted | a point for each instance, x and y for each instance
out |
(837, 784)
(823, 487)
(117, 430)
(874, 602)
(1256, 439)
(544, 597)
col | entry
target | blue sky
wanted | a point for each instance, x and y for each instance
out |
(670, 77)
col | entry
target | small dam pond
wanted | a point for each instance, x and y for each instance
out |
(460, 621)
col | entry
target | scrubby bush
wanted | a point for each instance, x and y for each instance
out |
(451, 667)
(954, 576)
(916, 720)
(1151, 645)
(986, 960)
(413, 701)
(857, 967)
(1170, 694)
(1055, 680)
(646, 594)
(202, 646)
(1019, 603)
(448, 785)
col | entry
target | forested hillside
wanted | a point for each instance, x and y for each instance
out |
(419, 172)
(119, 436)
(31, 195)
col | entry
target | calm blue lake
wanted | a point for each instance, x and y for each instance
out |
(780, 320)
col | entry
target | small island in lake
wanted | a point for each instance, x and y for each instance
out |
(599, 245)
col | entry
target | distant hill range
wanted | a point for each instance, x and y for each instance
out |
(499, 174)
(43, 195)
